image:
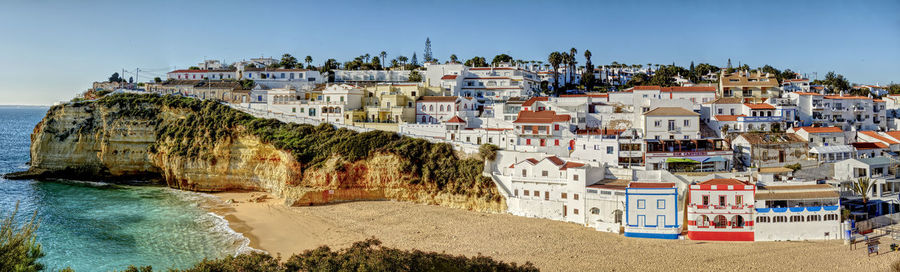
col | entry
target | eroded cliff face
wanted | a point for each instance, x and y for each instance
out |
(95, 142)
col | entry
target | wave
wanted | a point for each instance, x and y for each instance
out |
(219, 224)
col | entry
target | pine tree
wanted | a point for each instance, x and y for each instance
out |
(414, 61)
(427, 49)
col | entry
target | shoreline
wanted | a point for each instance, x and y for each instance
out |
(549, 245)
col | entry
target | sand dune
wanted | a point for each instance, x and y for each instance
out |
(550, 245)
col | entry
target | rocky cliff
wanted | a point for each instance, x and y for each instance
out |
(205, 146)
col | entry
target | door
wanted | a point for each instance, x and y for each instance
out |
(565, 210)
(660, 221)
(641, 220)
(780, 155)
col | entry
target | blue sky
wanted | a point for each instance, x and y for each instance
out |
(50, 50)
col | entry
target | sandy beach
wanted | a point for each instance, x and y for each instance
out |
(550, 245)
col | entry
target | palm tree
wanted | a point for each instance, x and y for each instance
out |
(454, 59)
(565, 60)
(555, 59)
(383, 59)
(572, 53)
(308, 60)
(366, 57)
(862, 187)
(588, 83)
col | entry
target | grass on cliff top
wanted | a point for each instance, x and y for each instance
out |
(209, 122)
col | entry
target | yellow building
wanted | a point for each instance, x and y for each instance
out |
(755, 86)
(390, 103)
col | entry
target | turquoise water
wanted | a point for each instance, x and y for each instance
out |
(92, 226)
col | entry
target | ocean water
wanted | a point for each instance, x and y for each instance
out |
(95, 226)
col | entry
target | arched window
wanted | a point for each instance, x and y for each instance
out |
(796, 218)
(702, 221)
(431, 107)
(762, 219)
(737, 221)
(595, 211)
(813, 218)
(441, 108)
(720, 221)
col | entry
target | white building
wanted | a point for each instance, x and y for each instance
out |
(543, 131)
(371, 75)
(880, 170)
(796, 212)
(795, 85)
(847, 112)
(671, 123)
(652, 210)
(550, 188)
(437, 109)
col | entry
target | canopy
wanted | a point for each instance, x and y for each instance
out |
(715, 159)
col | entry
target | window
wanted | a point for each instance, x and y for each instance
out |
(609, 150)
(526, 193)
(705, 198)
(813, 218)
(642, 204)
(537, 193)
(831, 217)
(660, 204)
(722, 200)
(562, 195)
(687, 123)
(556, 142)
(796, 218)
(575, 177)
(544, 173)
(524, 173)
(516, 192)
(657, 123)
(555, 127)
(528, 141)
(575, 211)
(738, 200)
(595, 211)
(762, 219)
(546, 195)
(576, 196)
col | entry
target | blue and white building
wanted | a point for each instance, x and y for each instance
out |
(651, 210)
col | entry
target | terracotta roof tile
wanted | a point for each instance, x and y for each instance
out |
(821, 129)
(535, 99)
(438, 99)
(877, 136)
(456, 119)
(544, 117)
(689, 89)
(728, 117)
(760, 106)
(448, 77)
(671, 111)
(725, 181)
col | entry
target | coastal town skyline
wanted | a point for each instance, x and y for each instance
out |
(100, 38)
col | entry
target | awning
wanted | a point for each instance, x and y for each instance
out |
(683, 160)
(715, 159)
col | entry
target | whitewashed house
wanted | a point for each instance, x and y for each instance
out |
(671, 123)
(652, 210)
(437, 109)
(550, 188)
(792, 212)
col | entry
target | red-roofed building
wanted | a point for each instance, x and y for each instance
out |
(869, 136)
(871, 149)
(821, 136)
(437, 109)
(644, 98)
(721, 210)
(549, 187)
(542, 131)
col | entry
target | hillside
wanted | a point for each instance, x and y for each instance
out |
(199, 145)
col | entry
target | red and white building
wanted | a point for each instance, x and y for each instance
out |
(542, 130)
(721, 210)
(437, 109)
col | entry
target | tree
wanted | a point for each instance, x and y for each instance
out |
(414, 62)
(501, 58)
(414, 76)
(564, 60)
(402, 60)
(488, 152)
(130, 79)
(383, 56)
(587, 77)
(115, 78)
(453, 59)
(639, 79)
(308, 61)
(555, 59)
(427, 49)
(376, 62)
(193, 68)
(862, 186)
(157, 79)
(835, 82)
(288, 61)
(476, 62)
(572, 62)
(19, 251)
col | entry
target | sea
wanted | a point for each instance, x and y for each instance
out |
(97, 226)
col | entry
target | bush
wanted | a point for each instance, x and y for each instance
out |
(18, 249)
(488, 151)
(794, 167)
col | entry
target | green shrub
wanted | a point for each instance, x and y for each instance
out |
(19, 251)
(488, 151)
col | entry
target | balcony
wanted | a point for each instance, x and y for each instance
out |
(760, 119)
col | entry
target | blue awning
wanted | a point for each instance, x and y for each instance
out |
(716, 159)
